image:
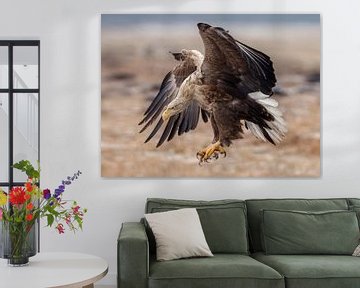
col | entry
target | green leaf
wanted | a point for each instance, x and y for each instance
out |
(50, 219)
(28, 168)
(53, 211)
(79, 221)
(22, 164)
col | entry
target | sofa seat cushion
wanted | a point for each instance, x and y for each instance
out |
(313, 271)
(222, 270)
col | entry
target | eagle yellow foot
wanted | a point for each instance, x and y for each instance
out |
(211, 152)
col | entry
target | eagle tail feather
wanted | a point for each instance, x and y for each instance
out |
(274, 131)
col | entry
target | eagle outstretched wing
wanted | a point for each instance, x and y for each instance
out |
(240, 72)
(183, 122)
(234, 66)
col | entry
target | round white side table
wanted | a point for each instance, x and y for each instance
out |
(50, 270)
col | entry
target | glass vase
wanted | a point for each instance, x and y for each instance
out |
(18, 242)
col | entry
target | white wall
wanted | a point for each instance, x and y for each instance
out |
(69, 31)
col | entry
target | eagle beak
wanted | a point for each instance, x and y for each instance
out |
(166, 114)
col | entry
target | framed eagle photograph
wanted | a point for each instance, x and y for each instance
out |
(210, 95)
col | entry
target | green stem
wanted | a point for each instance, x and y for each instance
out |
(18, 237)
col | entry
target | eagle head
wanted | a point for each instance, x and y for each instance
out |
(171, 110)
(175, 107)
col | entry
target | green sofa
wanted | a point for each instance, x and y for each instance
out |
(234, 230)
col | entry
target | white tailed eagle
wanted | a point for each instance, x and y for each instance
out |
(231, 85)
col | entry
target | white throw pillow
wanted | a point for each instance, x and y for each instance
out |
(178, 234)
(357, 251)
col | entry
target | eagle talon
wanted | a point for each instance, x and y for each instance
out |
(200, 155)
(211, 152)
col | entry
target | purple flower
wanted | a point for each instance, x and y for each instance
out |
(58, 192)
(68, 181)
(46, 194)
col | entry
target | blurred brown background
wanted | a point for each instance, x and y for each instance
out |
(135, 59)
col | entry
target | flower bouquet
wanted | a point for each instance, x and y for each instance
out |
(21, 208)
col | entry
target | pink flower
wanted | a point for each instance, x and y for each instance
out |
(68, 219)
(76, 210)
(1, 213)
(60, 228)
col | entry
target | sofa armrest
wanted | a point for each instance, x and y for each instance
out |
(133, 256)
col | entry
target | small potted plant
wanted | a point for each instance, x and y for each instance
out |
(21, 208)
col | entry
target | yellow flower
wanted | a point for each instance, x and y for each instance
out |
(3, 198)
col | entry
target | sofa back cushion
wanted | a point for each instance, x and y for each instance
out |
(356, 209)
(354, 205)
(353, 202)
(298, 232)
(223, 221)
(255, 206)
